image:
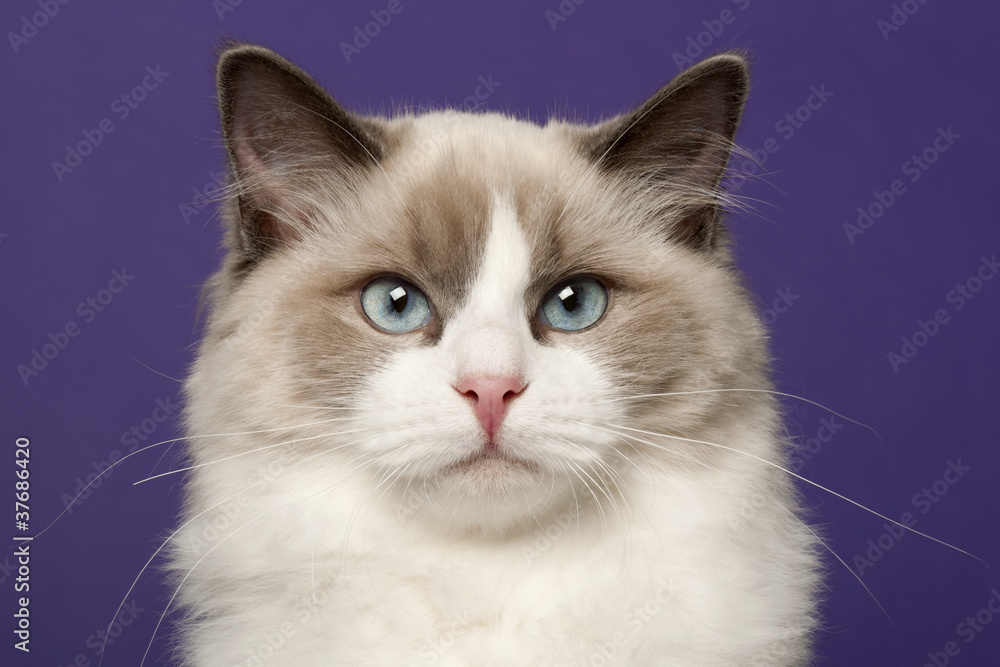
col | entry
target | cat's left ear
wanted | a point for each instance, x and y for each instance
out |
(675, 147)
(288, 143)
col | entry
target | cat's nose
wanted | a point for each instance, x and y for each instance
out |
(491, 396)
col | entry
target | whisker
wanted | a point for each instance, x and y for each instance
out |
(171, 537)
(344, 551)
(312, 575)
(207, 553)
(150, 368)
(627, 459)
(251, 451)
(162, 456)
(185, 578)
(793, 474)
(794, 516)
(763, 391)
(606, 490)
(600, 507)
(601, 488)
(627, 551)
(846, 566)
(613, 476)
(152, 558)
(310, 407)
(164, 442)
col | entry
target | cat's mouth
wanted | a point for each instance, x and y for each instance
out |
(492, 462)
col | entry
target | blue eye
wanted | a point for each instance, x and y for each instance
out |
(395, 305)
(574, 304)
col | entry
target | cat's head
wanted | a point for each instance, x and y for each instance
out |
(471, 303)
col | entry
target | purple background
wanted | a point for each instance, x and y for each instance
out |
(853, 302)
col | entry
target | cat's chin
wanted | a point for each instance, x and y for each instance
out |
(492, 467)
(488, 493)
(491, 477)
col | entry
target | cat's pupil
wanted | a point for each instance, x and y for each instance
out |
(398, 296)
(568, 298)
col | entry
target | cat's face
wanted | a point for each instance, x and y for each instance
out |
(476, 299)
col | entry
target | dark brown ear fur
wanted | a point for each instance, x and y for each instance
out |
(282, 131)
(679, 143)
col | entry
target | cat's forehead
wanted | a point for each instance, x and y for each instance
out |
(451, 177)
(447, 181)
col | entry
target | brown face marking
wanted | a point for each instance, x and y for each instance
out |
(447, 221)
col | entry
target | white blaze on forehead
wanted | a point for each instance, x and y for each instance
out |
(503, 276)
(489, 336)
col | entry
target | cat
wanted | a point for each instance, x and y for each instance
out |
(475, 391)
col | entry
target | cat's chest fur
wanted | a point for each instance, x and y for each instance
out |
(613, 591)
(475, 391)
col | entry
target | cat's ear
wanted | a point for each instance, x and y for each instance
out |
(288, 141)
(675, 147)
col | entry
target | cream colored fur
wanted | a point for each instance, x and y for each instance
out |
(332, 517)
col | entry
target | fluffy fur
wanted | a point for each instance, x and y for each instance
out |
(340, 510)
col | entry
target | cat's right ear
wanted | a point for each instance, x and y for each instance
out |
(287, 140)
(674, 148)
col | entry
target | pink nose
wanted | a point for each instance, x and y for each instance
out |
(491, 396)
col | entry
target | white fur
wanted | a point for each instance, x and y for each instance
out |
(490, 337)
(366, 553)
